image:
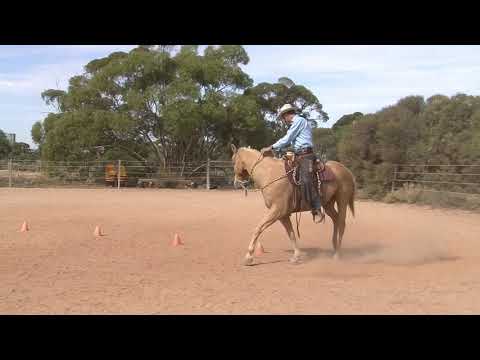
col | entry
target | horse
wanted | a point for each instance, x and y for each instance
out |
(269, 174)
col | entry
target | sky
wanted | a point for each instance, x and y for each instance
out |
(344, 78)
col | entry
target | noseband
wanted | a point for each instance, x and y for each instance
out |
(244, 183)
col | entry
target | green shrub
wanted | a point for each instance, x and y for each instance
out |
(415, 194)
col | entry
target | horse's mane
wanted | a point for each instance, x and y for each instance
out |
(256, 152)
(249, 149)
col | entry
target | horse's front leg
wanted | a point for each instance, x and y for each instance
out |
(267, 220)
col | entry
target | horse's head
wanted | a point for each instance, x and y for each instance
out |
(239, 166)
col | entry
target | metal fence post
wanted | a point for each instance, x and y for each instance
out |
(394, 178)
(9, 172)
(208, 174)
(118, 174)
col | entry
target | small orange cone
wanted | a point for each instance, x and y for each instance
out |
(260, 250)
(98, 231)
(24, 227)
(177, 241)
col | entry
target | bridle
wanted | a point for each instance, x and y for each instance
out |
(243, 183)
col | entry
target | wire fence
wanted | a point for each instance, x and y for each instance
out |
(457, 179)
(117, 173)
(454, 179)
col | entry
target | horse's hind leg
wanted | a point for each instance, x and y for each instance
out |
(342, 214)
(287, 224)
(267, 220)
(330, 210)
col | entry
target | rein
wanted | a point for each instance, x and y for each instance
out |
(260, 158)
(245, 182)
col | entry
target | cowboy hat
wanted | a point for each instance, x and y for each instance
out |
(284, 109)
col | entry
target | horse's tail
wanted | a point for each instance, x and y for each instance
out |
(351, 201)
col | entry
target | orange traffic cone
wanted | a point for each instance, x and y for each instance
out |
(98, 231)
(177, 241)
(260, 250)
(24, 227)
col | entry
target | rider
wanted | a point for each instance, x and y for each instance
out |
(300, 136)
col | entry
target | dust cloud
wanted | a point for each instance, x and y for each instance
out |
(417, 252)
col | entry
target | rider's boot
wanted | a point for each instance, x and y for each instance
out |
(317, 211)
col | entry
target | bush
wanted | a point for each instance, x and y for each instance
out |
(414, 194)
(390, 198)
(409, 193)
(361, 194)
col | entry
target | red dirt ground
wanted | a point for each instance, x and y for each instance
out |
(397, 259)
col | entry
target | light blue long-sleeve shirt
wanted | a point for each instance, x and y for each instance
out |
(299, 135)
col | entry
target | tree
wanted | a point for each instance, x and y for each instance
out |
(167, 104)
(440, 130)
(270, 98)
(38, 133)
(5, 147)
(154, 104)
(347, 120)
(22, 151)
(325, 143)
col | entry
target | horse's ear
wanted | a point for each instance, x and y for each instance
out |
(234, 148)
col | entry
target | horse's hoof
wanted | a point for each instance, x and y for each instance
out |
(295, 260)
(300, 254)
(248, 261)
(336, 257)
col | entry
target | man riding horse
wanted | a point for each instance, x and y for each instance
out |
(299, 135)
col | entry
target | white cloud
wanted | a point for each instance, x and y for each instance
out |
(7, 84)
(315, 60)
(53, 74)
(13, 51)
(39, 78)
(367, 78)
(345, 78)
(26, 71)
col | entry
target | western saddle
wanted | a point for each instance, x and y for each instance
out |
(321, 173)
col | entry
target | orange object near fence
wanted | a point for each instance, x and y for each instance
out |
(112, 176)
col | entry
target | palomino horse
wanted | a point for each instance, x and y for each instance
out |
(269, 175)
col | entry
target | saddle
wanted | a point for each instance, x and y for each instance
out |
(321, 173)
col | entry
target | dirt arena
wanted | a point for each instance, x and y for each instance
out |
(397, 259)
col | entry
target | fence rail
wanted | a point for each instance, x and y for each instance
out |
(119, 173)
(451, 178)
(448, 178)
